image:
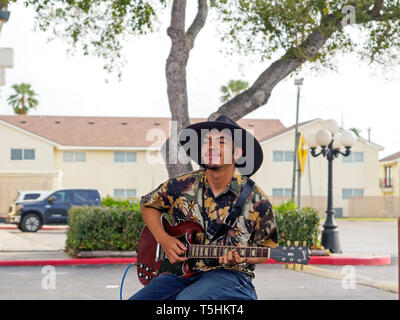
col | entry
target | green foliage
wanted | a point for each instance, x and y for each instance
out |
(129, 204)
(268, 28)
(23, 99)
(103, 228)
(272, 28)
(296, 224)
(233, 88)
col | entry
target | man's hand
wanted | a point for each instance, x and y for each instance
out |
(173, 248)
(232, 257)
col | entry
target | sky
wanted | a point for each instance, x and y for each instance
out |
(355, 95)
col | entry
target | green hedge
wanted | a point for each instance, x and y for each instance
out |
(296, 224)
(104, 228)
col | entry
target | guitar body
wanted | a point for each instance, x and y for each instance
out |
(151, 260)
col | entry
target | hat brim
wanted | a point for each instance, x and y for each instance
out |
(252, 157)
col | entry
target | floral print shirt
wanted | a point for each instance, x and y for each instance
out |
(183, 197)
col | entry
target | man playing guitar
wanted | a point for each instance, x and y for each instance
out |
(228, 156)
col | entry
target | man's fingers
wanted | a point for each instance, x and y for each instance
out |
(181, 246)
(238, 259)
(230, 255)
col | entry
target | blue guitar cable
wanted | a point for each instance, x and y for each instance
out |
(123, 278)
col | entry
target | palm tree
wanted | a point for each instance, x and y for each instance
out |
(356, 131)
(233, 88)
(24, 98)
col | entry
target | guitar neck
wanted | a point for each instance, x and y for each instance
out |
(214, 251)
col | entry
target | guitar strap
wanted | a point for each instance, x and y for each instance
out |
(235, 212)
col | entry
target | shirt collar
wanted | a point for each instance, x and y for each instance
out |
(234, 186)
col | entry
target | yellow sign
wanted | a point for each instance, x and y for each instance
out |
(302, 152)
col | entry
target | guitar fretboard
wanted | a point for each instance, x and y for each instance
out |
(209, 251)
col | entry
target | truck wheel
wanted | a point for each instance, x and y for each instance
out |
(31, 223)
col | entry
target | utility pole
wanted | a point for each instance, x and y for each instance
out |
(298, 83)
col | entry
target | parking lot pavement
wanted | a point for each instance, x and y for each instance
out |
(103, 282)
(14, 240)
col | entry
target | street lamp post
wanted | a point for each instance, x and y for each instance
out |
(330, 140)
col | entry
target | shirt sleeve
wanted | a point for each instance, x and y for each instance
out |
(265, 232)
(158, 199)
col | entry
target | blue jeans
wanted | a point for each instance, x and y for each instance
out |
(211, 285)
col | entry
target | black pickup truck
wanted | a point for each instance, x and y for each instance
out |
(30, 216)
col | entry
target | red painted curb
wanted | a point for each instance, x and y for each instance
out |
(65, 262)
(342, 261)
(314, 260)
(42, 228)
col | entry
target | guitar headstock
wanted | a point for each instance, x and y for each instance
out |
(291, 254)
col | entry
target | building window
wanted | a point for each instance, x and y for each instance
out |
(281, 192)
(356, 157)
(283, 156)
(72, 156)
(388, 176)
(22, 154)
(124, 193)
(347, 193)
(121, 157)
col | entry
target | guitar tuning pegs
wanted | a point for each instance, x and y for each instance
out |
(288, 243)
(296, 243)
(304, 243)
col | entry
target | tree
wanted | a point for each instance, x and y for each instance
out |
(288, 33)
(233, 88)
(356, 131)
(23, 99)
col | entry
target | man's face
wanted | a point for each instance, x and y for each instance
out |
(217, 149)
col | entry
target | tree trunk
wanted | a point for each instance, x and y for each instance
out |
(181, 44)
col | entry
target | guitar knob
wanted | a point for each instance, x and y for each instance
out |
(148, 269)
(141, 265)
(148, 278)
(298, 260)
(291, 259)
(141, 274)
(283, 259)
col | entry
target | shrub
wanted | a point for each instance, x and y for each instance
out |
(296, 224)
(103, 228)
(133, 204)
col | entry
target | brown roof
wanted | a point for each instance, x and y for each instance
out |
(392, 157)
(116, 131)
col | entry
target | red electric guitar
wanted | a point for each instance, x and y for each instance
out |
(152, 261)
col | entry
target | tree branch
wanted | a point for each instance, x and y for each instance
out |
(198, 22)
(259, 93)
(375, 12)
(178, 14)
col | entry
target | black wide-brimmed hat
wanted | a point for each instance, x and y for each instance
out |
(192, 136)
